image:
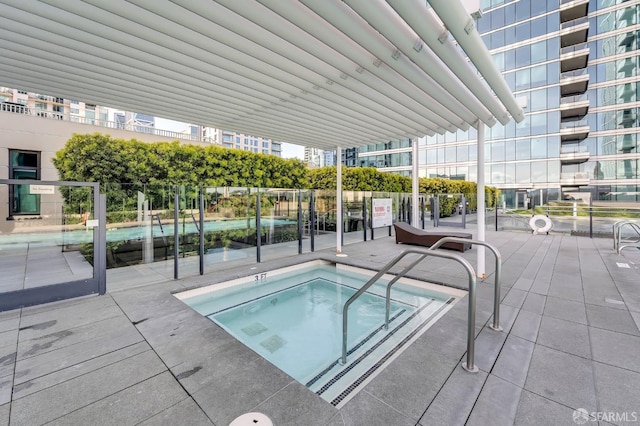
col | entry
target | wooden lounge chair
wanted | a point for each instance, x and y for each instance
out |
(407, 234)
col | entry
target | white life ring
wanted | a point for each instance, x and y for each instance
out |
(533, 223)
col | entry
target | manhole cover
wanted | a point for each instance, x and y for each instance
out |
(252, 419)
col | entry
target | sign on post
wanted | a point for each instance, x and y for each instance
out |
(381, 212)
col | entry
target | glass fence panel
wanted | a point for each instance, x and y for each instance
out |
(279, 222)
(229, 225)
(46, 235)
(140, 225)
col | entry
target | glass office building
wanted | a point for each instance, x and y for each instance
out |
(574, 66)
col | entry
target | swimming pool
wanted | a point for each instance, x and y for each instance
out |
(61, 236)
(293, 318)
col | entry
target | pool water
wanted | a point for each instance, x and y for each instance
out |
(293, 318)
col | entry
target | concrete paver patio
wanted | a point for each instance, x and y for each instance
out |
(570, 312)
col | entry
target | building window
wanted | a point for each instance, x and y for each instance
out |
(23, 165)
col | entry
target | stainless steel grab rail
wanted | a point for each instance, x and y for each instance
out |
(498, 273)
(471, 321)
(618, 235)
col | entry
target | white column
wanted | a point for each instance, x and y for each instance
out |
(480, 268)
(415, 185)
(339, 200)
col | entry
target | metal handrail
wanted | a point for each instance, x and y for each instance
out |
(616, 226)
(498, 272)
(618, 237)
(471, 321)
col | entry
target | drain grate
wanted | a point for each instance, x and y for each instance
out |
(254, 329)
(273, 343)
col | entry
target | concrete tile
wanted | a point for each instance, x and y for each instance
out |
(9, 320)
(523, 284)
(540, 286)
(526, 326)
(561, 377)
(295, 405)
(9, 338)
(64, 308)
(534, 303)
(6, 383)
(565, 336)
(7, 360)
(566, 309)
(48, 362)
(64, 398)
(536, 410)
(513, 362)
(515, 298)
(412, 380)
(617, 349)
(605, 294)
(454, 402)
(364, 409)
(567, 290)
(37, 326)
(131, 405)
(636, 318)
(497, 403)
(185, 412)
(26, 386)
(487, 347)
(611, 319)
(4, 414)
(229, 396)
(617, 389)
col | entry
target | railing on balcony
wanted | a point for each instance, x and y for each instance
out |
(575, 155)
(24, 109)
(574, 179)
(574, 99)
(574, 23)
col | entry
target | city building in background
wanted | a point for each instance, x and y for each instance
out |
(14, 100)
(573, 65)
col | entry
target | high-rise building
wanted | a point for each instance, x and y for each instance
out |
(574, 66)
(245, 142)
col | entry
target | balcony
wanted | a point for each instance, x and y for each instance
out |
(570, 10)
(574, 85)
(574, 107)
(573, 33)
(574, 179)
(574, 133)
(574, 155)
(574, 57)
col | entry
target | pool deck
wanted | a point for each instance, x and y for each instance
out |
(570, 312)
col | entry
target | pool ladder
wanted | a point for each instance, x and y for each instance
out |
(618, 242)
(424, 253)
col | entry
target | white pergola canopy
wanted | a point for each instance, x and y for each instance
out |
(321, 73)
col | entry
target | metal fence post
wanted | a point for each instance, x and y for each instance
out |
(299, 222)
(176, 225)
(201, 208)
(590, 217)
(258, 227)
(312, 219)
(364, 217)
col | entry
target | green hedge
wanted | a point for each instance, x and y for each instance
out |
(122, 166)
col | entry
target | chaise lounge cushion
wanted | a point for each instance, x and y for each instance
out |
(408, 234)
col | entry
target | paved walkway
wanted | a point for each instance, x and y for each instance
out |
(570, 311)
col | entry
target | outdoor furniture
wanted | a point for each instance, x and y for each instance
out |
(408, 234)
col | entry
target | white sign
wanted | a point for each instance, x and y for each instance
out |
(381, 212)
(92, 223)
(42, 189)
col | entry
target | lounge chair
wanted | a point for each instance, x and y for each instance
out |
(408, 234)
